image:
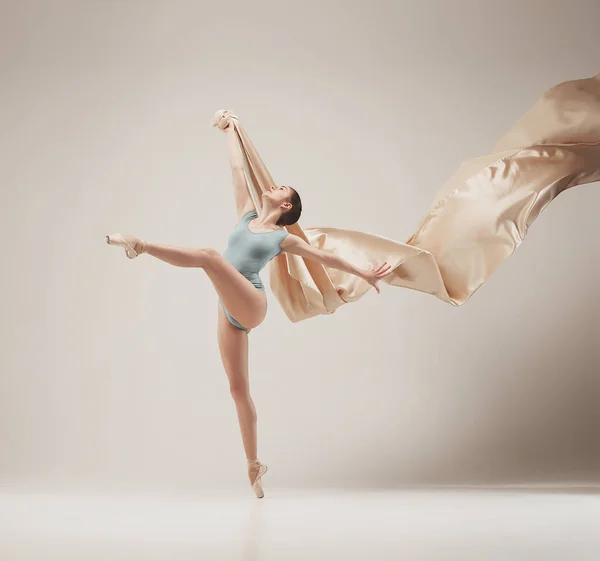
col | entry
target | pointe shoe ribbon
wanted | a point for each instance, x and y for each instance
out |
(256, 484)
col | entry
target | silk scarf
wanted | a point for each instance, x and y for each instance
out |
(477, 219)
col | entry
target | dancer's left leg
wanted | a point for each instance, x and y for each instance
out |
(233, 346)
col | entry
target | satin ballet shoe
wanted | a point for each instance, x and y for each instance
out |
(256, 484)
(127, 242)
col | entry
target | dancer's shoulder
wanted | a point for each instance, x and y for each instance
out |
(248, 215)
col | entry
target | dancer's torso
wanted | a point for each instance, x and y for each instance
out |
(250, 251)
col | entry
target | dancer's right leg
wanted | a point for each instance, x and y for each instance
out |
(241, 298)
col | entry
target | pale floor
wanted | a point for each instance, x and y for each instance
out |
(404, 524)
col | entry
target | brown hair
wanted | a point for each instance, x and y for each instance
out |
(292, 215)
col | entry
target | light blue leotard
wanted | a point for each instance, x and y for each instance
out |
(249, 252)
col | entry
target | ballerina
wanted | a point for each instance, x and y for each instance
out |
(257, 238)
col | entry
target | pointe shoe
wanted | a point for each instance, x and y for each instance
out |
(128, 242)
(256, 484)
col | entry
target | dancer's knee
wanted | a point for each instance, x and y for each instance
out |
(239, 391)
(209, 256)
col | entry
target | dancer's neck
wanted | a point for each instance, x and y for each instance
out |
(267, 219)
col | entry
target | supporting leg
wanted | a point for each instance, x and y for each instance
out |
(233, 346)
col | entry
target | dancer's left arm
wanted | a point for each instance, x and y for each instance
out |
(297, 246)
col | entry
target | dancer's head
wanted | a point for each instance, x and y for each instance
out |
(287, 200)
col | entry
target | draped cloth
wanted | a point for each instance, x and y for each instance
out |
(477, 219)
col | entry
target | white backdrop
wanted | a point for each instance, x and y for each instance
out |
(110, 370)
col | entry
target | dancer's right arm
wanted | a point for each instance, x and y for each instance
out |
(243, 201)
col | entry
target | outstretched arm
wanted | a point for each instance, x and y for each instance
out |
(243, 201)
(297, 246)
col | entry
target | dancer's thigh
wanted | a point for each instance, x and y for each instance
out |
(233, 346)
(241, 298)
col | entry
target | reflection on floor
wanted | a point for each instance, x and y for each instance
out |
(402, 524)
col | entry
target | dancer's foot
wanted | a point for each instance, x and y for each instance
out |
(256, 470)
(133, 246)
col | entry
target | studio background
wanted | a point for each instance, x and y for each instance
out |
(110, 371)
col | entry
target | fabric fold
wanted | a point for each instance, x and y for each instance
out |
(477, 219)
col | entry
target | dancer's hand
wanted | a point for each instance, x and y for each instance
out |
(374, 276)
(223, 119)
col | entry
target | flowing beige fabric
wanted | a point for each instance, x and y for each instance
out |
(477, 219)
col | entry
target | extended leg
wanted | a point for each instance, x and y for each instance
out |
(178, 256)
(241, 298)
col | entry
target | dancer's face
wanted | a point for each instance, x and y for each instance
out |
(278, 195)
